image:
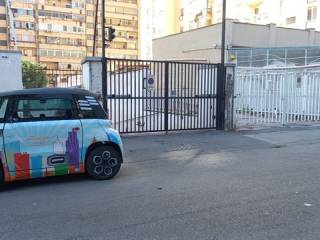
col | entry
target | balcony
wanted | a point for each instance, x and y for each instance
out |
(72, 4)
(61, 15)
(204, 18)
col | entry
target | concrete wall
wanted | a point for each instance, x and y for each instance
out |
(250, 35)
(11, 71)
(205, 43)
(194, 44)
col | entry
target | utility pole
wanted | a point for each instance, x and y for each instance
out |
(222, 75)
(223, 35)
(104, 60)
(95, 29)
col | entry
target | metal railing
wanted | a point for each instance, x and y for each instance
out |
(64, 78)
(277, 96)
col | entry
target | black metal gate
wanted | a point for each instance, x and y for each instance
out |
(151, 96)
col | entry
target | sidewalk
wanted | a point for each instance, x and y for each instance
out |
(154, 147)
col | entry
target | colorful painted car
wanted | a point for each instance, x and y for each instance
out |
(50, 132)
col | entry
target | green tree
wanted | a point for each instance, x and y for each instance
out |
(33, 75)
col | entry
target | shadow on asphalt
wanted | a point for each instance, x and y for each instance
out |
(39, 182)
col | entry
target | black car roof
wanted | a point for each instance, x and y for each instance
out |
(47, 91)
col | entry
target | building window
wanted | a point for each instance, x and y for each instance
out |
(256, 11)
(24, 25)
(312, 13)
(19, 12)
(90, 13)
(3, 43)
(90, 25)
(61, 53)
(291, 20)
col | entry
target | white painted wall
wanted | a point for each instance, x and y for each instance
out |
(11, 71)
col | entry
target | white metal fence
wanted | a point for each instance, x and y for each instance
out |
(277, 96)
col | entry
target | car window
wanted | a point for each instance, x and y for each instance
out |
(3, 107)
(40, 109)
(90, 108)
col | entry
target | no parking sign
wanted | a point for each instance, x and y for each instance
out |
(150, 82)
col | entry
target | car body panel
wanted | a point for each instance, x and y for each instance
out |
(2, 156)
(41, 148)
(99, 131)
(30, 145)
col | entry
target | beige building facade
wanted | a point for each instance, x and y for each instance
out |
(3, 25)
(158, 18)
(59, 33)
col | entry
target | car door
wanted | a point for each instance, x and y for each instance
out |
(3, 108)
(43, 136)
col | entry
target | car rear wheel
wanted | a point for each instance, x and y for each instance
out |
(103, 163)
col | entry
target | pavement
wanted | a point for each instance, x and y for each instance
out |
(192, 185)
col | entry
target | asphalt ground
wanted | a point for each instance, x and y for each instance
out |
(191, 185)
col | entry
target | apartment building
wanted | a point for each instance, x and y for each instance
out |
(123, 15)
(301, 14)
(161, 18)
(158, 18)
(3, 25)
(59, 33)
(194, 14)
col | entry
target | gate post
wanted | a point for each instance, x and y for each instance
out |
(229, 97)
(91, 71)
(166, 95)
(225, 97)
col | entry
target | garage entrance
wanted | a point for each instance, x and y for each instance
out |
(153, 96)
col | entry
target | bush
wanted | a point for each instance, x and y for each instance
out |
(33, 75)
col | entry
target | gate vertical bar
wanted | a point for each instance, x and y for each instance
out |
(220, 97)
(166, 100)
